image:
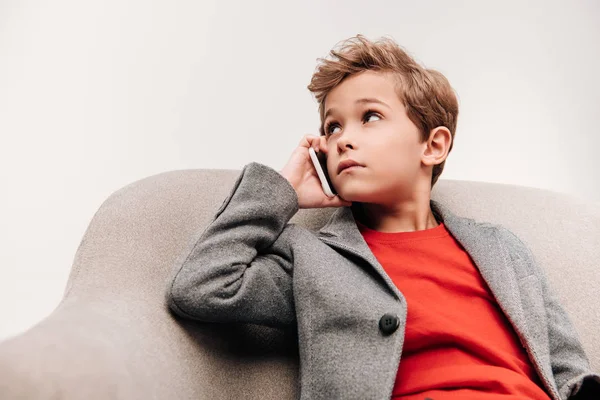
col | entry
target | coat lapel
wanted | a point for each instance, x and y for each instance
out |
(480, 240)
(521, 301)
(341, 233)
(491, 256)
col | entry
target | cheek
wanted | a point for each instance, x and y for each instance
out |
(400, 159)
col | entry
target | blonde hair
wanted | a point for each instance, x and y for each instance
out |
(426, 94)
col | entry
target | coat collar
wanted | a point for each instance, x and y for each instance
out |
(482, 241)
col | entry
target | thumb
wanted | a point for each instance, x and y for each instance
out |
(337, 201)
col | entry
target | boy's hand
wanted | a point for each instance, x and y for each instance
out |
(301, 174)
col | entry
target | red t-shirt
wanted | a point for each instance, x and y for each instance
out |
(458, 342)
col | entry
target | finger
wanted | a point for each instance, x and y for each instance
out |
(323, 144)
(307, 140)
(316, 143)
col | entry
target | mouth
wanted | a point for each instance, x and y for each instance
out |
(348, 165)
(352, 168)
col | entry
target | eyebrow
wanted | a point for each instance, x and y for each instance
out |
(359, 101)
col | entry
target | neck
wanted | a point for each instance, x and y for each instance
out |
(414, 215)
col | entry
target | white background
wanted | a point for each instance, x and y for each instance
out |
(97, 94)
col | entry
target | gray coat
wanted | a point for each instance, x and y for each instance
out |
(251, 265)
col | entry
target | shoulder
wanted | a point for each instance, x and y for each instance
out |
(514, 248)
(514, 242)
(484, 233)
(517, 251)
(509, 239)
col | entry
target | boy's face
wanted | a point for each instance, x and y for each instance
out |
(378, 136)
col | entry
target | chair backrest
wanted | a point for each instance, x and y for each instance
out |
(112, 336)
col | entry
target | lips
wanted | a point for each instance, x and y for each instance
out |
(347, 164)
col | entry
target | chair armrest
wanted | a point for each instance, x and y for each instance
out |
(96, 350)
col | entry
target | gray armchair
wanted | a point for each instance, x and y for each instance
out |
(112, 337)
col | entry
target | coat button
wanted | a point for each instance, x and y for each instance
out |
(389, 323)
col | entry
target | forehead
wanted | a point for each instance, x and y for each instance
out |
(367, 84)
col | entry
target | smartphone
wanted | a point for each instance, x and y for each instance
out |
(320, 162)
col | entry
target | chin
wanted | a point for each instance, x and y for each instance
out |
(361, 193)
(353, 194)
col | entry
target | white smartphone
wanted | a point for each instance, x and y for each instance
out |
(320, 164)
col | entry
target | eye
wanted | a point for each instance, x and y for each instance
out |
(371, 113)
(330, 126)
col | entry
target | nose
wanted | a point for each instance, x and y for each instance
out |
(345, 142)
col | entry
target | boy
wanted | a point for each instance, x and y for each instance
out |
(395, 297)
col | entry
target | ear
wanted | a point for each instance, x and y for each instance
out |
(437, 146)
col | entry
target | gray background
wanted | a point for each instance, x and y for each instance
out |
(95, 95)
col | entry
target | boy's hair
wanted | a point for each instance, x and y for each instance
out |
(426, 94)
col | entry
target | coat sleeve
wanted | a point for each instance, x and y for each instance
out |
(570, 365)
(240, 268)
